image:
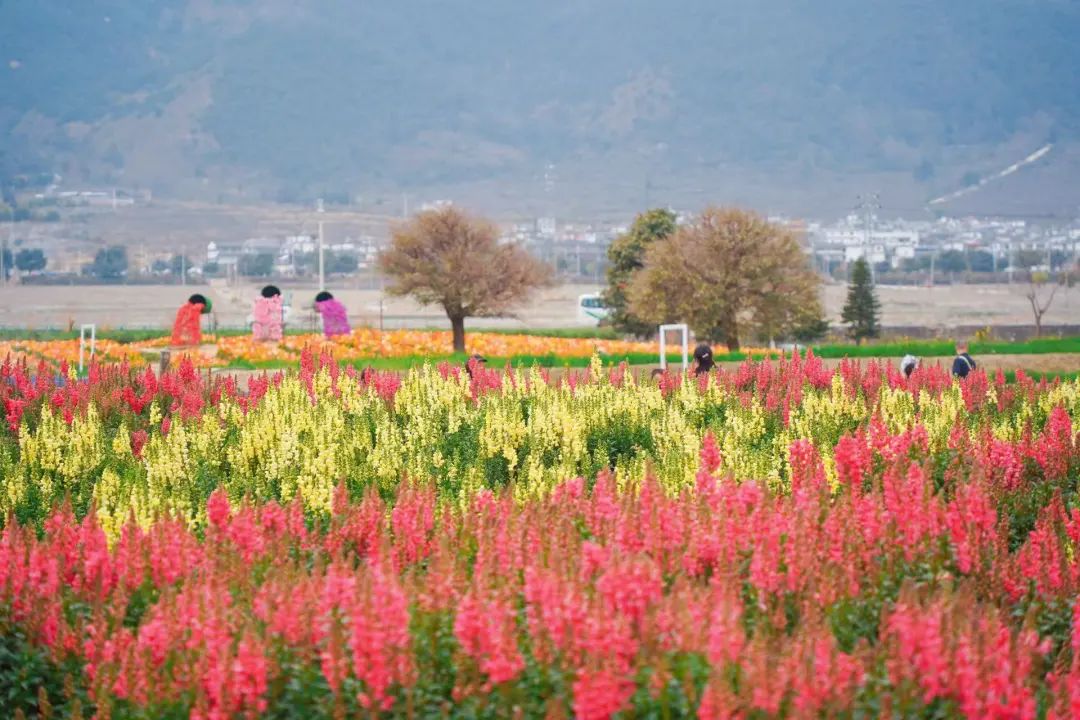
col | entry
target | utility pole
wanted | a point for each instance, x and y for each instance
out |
(322, 279)
(868, 205)
(183, 268)
(4, 246)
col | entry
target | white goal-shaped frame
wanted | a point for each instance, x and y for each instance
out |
(685, 332)
(83, 329)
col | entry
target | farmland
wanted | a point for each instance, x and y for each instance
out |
(118, 306)
(779, 539)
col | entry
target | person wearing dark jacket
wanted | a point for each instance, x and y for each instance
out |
(474, 362)
(963, 363)
(703, 360)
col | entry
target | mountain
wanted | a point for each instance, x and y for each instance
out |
(604, 103)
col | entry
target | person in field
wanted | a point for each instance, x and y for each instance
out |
(268, 318)
(963, 363)
(187, 328)
(908, 365)
(703, 360)
(335, 319)
(474, 362)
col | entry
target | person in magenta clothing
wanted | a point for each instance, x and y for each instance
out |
(268, 316)
(335, 320)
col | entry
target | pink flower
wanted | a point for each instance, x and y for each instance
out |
(598, 695)
(217, 509)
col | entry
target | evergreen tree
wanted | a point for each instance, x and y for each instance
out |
(862, 311)
(626, 255)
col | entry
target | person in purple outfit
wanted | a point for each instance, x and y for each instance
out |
(335, 319)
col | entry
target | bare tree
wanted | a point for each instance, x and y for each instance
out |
(1040, 301)
(449, 258)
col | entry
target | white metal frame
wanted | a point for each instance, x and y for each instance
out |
(82, 342)
(682, 328)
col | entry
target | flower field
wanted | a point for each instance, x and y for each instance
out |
(361, 344)
(778, 541)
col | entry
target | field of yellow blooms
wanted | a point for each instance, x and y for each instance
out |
(780, 540)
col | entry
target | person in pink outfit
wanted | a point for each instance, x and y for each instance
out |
(268, 315)
(335, 320)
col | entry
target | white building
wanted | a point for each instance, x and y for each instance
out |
(884, 245)
(546, 227)
(874, 254)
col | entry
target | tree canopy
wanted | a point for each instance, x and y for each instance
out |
(626, 255)
(727, 272)
(30, 260)
(110, 263)
(256, 264)
(450, 258)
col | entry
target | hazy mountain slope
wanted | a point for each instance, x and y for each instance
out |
(282, 98)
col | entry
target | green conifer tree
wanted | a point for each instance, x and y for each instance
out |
(862, 311)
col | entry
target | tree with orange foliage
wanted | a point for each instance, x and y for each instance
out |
(450, 258)
(726, 272)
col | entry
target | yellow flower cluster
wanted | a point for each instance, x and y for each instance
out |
(303, 441)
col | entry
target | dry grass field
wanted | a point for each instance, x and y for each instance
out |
(154, 306)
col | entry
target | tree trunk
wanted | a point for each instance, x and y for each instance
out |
(457, 325)
(731, 339)
(729, 334)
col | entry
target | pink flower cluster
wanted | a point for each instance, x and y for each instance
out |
(596, 584)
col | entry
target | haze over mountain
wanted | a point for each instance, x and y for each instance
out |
(590, 104)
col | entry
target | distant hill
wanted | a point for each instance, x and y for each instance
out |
(789, 105)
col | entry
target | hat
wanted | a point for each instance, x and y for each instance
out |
(198, 299)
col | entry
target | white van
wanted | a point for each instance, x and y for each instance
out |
(591, 309)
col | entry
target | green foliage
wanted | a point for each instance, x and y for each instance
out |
(110, 263)
(178, 265)
(626, 255)
(980, 261)
(951, 261)
(28, 675)
(862, 310)
(340, 263)
(256, 265)
(810, 330)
